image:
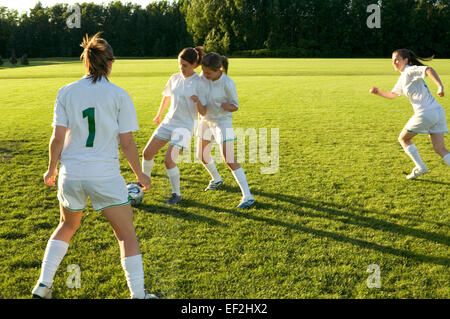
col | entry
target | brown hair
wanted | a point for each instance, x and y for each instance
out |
(97, 54)
(215, 62)
(192, 55)
(413, 59)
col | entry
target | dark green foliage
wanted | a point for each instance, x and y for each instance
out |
(13, 59)
(300, 28)
(24, 60)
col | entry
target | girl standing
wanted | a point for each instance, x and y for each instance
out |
(91, 117)
(429, 116)
(185, 92)
(216, 124)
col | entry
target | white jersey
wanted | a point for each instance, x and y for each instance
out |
(220, 91)
(182, 112)
(412, 85)
(94, 115)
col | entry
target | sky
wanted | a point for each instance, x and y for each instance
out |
(24, 5)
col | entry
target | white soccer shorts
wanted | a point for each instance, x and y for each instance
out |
(104, 193)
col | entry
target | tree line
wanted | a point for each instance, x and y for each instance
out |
(279, 28)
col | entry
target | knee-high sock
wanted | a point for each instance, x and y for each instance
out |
(413, 153)
(147, 166)
(134, 273)
(212, 170)
(447, 159)
(241, 179)
(54, 253)
(174, 177)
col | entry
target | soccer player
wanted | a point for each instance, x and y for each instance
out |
(91, 117)
(429, 116)
(216, 125)
(185, 92)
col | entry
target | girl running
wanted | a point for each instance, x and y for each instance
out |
(91, 117)
(216, 124)
(429, 116)
(186, 93)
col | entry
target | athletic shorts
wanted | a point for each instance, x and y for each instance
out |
(178, 136)
(220, 132)
(432, 121)
(104, 193)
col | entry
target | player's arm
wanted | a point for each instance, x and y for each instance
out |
(130, 151)
(164, 102)
(387, 95)
(229, 107)
(201, 109)
(435, 77)
(54, 153)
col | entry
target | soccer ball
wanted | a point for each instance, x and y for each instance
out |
(135, 193)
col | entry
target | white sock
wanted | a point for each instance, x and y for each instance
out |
(412, 152)
(147, 166)
(239, 175)
(447, 159)
(54, 253)
(134, 273)
(212, 170)
(174, 177)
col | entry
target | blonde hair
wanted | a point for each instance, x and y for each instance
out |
(97, 54)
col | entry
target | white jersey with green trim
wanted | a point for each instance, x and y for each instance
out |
(94, 115)
(221, 91)
(411, 83)
(182, 112)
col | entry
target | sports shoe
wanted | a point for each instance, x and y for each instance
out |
(416, 172)
(149, 295)
(246, 203)
(174, 199)
(41, 291)
(213, 185)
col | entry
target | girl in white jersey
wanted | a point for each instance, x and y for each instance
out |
(429, 116)
(185, 92)
(91, 117)
(216, 123)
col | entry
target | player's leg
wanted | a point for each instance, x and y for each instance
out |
(121, 221)
(238, 173)
(439, 147)
(56, 250)
(405, 140)
(151, 149)
(204, 154)
(173, 172)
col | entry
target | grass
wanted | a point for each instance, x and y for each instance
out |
(338, 203)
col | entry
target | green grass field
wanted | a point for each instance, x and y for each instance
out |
(338, 203)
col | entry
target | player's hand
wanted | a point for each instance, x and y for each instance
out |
(145, 181)
(374, 90)
(195, 99)
(49, 177)
(441, 91)
(157, 119)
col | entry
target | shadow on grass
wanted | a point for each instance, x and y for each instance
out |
(352, 215)
(178, 212)
(431, 182)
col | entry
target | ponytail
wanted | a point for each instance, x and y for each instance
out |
(224, 67)
(216, 62)
(413, 59)
(97, 54)
(192, 55)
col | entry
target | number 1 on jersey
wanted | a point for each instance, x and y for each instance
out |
(90, 114)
